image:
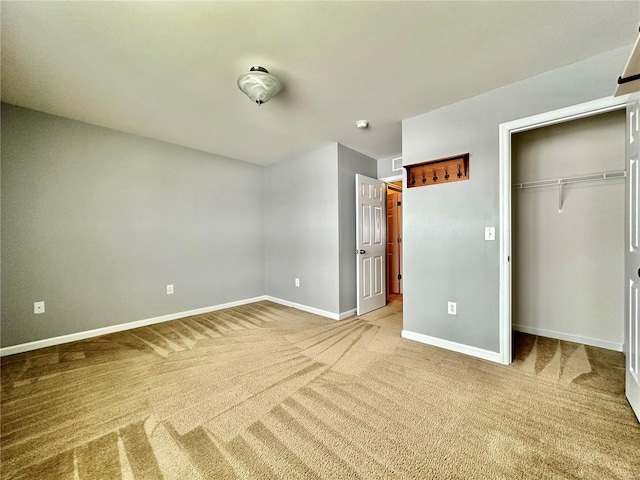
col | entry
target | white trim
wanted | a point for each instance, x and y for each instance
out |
(392, 178)
(347, 314)
(588, 109)
(317, 311)
(72, 337)
(393, 164)
(574, 112)
(456, 347)
(569, 337)
(505, 246)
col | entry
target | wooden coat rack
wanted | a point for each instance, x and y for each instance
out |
(442, 170)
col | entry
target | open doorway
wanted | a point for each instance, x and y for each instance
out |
(506, 131)
(394, 241)
(567, 252)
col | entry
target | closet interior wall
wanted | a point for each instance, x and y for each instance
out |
(568, 268)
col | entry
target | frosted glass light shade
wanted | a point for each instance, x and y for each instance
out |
(259, 85)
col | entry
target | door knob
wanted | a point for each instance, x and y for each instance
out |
(360, 251)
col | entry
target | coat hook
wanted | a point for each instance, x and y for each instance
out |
(446, 174)
(424, 179)
(413, 180)
(459, 172)
(435, 177)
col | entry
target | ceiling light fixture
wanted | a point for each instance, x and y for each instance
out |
(362, 124)
(259, 85)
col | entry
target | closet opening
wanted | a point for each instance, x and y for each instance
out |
(567, 250)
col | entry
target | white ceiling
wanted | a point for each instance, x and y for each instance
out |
(168, 70)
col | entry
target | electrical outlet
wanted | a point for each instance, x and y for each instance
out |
(489, 233)
(169, 289)
(297, 282)
(38, 307)
(451, 308)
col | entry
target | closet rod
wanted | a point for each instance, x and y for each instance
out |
(568, 180)
(561, 182)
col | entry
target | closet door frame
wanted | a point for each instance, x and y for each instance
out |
(575, 112)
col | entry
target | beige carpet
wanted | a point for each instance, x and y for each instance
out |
(266, 391)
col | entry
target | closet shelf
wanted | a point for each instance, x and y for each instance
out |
(568, 180)
(561, 182)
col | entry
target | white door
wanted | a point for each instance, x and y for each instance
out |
(632, 256)
(371, 229)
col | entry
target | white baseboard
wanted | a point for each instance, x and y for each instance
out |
(347, 314)
(317, 311)
(456, 347)
(569, 337)
(48, 342)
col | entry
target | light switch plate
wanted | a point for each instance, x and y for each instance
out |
(489, 233)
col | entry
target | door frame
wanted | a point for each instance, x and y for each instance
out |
(389, 179)
(562, 115)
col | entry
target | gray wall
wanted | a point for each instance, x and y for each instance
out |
(568, 267)
(446, 256)
(302, 232)
(350, 162)
(385, 168)
(310, 227)
(96, 223)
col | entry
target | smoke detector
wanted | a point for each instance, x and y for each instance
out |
(362, 124)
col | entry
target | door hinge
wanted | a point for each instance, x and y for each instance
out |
(399, 277)
(399, 240)
(399, 204)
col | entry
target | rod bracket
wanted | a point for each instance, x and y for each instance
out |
(560, 190)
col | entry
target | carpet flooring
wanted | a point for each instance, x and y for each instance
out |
(265, 391)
